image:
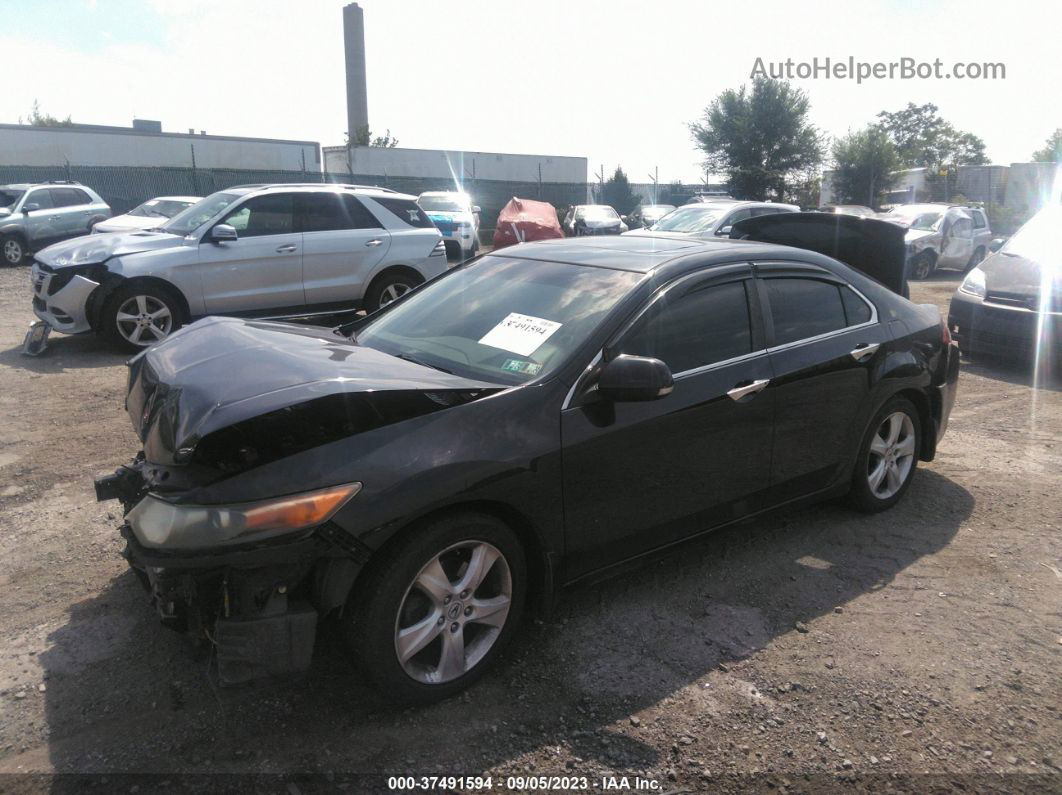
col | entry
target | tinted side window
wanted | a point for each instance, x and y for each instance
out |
(66, 197)
(41, 196)
(359, 215)
(322, 212)
(273, 214)
(802, 308)
(978, 219)
(82, 197)
(406, 209)
(699, 328)
(856, 310)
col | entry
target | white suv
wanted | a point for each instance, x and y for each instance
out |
(254, 250)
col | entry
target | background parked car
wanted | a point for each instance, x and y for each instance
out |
(647, 214)
(942, 236)
(524, 220)
(148, 215)
(593, 219)
(1011, 303)
(859, 210)
(714, 218)
(33, 216)
(255, 250)
(457, 219)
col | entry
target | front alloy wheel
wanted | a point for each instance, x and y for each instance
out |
(892, 451)
(453, 612)
(12, 251)
(143, 320)
(436, 606)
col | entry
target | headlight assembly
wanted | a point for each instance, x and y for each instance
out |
(161, 524)
(974, 283)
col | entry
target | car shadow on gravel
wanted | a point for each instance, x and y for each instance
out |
(125, 695)
(78, 352)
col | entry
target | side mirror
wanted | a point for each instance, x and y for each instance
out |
(625, 218)
(223, 233)
(724, 232)
(634, 378)
(28, 208)
(475, 209)
(996, 245)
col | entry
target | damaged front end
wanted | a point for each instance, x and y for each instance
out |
(213, 403)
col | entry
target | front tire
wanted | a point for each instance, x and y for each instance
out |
(888, 457)
(12, 250)
(923, 265)
(135, 317)
(433, 613)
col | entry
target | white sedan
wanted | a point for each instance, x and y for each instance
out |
(152, 213)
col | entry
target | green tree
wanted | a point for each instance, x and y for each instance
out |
(38, 119)
(864, 164)
(618, 194)
(759, 138)
(363, 137)
(1052, 151)
(923, 139)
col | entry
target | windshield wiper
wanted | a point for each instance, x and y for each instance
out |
(409, 358)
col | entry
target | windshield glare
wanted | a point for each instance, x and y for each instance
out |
(190, 219)
(595, 212)
(687, 219)
(499, 320)
(1039, 239)
(8, 197)
(442, 204)
(159, 208)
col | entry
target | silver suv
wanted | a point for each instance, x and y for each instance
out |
(35, 216)
(254, 251)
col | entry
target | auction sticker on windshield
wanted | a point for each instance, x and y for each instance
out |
(521, 334)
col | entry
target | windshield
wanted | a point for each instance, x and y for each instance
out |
(656, 211)
(9, 197)
(160, 208)
(442, 204)
(193, 217)
(688, 219)
(596, 211)
(1039, 239)
(500, 320)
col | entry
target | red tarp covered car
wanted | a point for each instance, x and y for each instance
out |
(524, 220)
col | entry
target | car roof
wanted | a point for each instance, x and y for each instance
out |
(337, 187)
(443, 193)
(17, 186)
(644, 253)
(174, 199)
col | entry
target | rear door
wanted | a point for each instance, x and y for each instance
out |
(342, 244)
(641, 475)
(262, 269)
(825, 340)
(72, 206)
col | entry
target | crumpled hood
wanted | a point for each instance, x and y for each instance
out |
(1021, 277)
(915, 235)
(102, 247)
(269, 380)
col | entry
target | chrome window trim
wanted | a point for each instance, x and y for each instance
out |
(717, 365)
(828, 334)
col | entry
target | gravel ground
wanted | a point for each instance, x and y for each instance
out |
(914, 649)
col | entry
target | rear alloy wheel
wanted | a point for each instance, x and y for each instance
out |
(887, 458)
(923, 265)
(12, 250)
(135, 318)
(431, 616)
(389, 289)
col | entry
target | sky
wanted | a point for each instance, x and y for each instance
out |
(617, 82)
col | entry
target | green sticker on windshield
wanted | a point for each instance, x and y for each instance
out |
(520, 366)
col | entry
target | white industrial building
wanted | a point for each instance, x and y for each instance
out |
(453, 165)
(145, 144)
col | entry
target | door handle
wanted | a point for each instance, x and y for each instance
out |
(739, 392)
(374, 242)
(863, 350)
(286, 248)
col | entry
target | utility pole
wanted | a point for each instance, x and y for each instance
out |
(540, 180)
(601, 183)
(655, 177)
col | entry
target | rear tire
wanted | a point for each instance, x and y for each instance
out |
(887, 458)
(389, 287)
(12, 250)
(136, 317)
(456, 634)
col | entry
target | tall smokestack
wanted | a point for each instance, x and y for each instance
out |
(354, 45)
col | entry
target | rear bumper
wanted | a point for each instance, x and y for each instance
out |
(1003, 331)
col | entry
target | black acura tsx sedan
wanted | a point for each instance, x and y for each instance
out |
(528, 420)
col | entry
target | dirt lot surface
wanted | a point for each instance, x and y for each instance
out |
(914, 649)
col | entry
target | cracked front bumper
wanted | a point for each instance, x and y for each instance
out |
(61, 301)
